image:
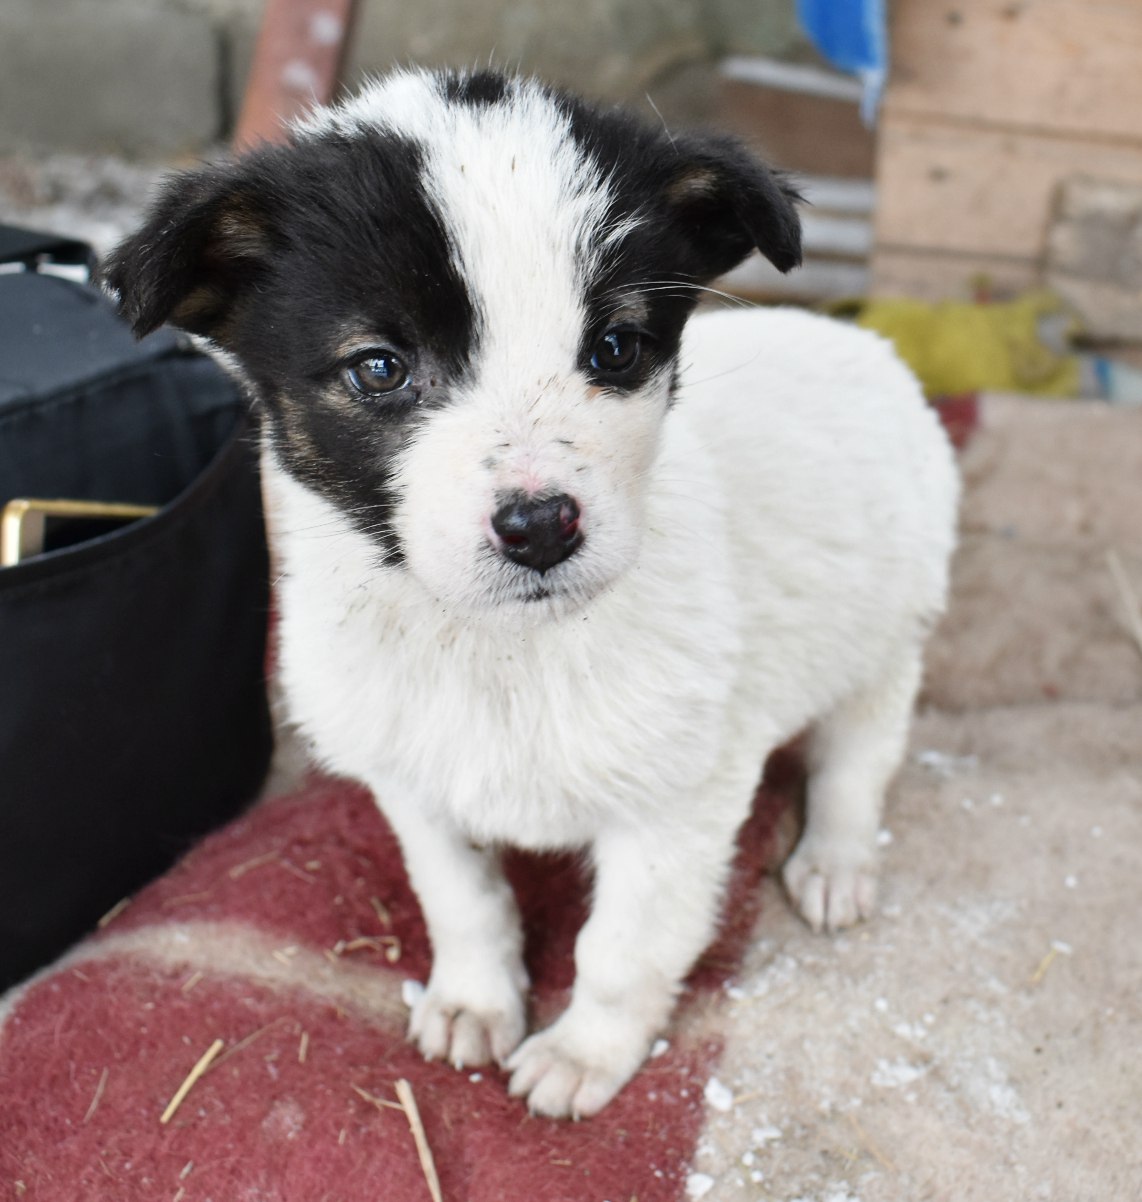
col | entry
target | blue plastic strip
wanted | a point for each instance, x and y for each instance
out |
(853, 36)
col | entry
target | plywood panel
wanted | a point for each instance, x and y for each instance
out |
(1074, 66)
(813, 134)
(934, 276)
(955, 187)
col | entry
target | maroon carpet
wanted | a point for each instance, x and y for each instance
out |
(287, 936)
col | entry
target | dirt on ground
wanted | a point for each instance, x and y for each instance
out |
(981, 1039)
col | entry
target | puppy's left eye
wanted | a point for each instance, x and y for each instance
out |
(377, 373)
(617, 351)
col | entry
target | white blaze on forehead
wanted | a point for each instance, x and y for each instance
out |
(521, 203)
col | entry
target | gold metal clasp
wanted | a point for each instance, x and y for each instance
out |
(24, 522)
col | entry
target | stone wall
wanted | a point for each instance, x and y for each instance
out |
(165, 77)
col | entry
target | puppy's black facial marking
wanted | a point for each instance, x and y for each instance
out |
(365, 251)
(284, 258)
(684, 209)
(479, 88)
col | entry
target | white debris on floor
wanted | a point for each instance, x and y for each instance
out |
(96, 198)
(971, 1040)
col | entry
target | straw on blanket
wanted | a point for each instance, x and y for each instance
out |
(428, 1166)
(204, 1062)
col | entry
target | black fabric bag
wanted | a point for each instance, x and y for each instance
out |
(133, 712)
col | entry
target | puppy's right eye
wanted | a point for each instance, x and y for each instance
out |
(377, 373)
(617, 351)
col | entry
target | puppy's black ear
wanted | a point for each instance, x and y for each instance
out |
(725, 202)
(203, 247)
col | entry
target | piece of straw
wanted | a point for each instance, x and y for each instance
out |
(240, 870)
(204, 1062)
(869, 1146)
(373, 1100)
(114, 912)
(98, 1094)
(254, 1035)
(1130, 604)
(427, 1165)
(293, 869)
(387, 945)
(191, 981)
(1044, 964)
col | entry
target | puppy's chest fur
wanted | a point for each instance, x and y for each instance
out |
(528, 732)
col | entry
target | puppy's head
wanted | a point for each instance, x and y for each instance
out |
(460, 299)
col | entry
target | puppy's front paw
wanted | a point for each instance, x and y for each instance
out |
(470, 1019)
(570, 1072)
(832, 884)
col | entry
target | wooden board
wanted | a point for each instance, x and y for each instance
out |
(814, 134)
(1072, 66)
(934, 276)
(973, 190)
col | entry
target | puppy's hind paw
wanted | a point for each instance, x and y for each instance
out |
(830, 889)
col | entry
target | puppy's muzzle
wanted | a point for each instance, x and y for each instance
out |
(538, 532)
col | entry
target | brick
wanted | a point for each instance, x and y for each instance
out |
(612, 51)
(1094, 256)
(110, 76)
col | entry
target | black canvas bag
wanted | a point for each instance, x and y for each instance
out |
(133, 712)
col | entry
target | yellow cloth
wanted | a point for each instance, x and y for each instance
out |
(959, 347)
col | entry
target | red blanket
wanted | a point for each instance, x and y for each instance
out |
(288, 936)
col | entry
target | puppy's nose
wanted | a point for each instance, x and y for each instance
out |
(538, 532)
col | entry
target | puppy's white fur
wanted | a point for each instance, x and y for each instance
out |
(771, 553)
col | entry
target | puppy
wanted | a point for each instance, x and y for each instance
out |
(559, 567)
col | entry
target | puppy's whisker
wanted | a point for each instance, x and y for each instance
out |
(335, 519)
(681, 287)
(329, 527)
(689, 381)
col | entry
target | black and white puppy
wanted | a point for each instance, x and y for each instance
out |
(560, 570)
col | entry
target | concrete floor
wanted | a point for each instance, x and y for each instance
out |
(981, 1038)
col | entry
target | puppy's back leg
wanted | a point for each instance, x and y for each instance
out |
(853, 754)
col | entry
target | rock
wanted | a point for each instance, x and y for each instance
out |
(109, 76)
(1094, 255)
